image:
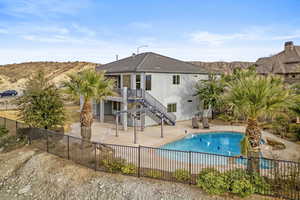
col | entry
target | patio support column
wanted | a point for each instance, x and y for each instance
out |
(81, 101)
(133, 81)
(117, 125)
(101, 114)
(134, 130)
(162, 127)
(124, 108)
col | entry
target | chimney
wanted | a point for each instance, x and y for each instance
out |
(117, 57)
(288, 46)
(133, 55)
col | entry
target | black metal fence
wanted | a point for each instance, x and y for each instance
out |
(170, 165)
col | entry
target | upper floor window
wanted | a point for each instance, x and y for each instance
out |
(138, 81)
(176, 79)
(148, 82)
(172, 107)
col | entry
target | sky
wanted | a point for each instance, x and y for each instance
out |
(191, 30)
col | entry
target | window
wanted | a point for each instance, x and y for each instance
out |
(148, 82)
(116, 106)
(172, 107)
(176, 79)
(127, 81)
(138, 81)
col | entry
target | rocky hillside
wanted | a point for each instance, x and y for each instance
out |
(222, 67)
(27, 174)
(13, 76)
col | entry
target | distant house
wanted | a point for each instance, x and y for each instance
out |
(152, 87)
(285, 63)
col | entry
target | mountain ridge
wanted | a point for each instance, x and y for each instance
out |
(13, 76)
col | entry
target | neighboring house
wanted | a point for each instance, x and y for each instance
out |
(285, 63)
(153, 87)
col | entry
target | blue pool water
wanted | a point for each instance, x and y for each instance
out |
(221, 144)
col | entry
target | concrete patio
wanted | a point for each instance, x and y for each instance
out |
(151, 137)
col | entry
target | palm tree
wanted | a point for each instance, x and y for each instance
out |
(209, 92)
(88, 85)
(254, 97)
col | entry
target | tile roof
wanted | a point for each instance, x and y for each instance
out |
(286, 61)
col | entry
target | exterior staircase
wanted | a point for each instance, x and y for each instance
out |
(154, 108)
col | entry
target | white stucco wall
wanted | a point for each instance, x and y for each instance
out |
(166, 92)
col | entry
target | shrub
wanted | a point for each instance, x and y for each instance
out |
(242, 187)
(3, 131)
(154, 174)
(295, 129)
(234, 175)
(129, 169)
(212, 181)
(181, 175)
(113, 164)
(260, 184)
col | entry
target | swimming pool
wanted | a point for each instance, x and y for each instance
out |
(221, 143)
(215, 148)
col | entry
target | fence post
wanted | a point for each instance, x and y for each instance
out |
(95, 145)
(47, 142)
(190, 166)
(68, 147)
(139, 161)
(5, 122)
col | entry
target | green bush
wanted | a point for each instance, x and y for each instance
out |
(295, 129)
(181, 175)
(154, 174)
(260, 184)
(129, 169)
(236, 181)
(212, 181)
(3, 131)
(242, 187)
(113, 164)
(236, 174)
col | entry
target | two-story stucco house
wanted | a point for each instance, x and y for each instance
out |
(152, 87)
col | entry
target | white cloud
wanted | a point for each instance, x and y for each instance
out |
(250, 35)
(84, 30)
(3, 31)
(43, 8)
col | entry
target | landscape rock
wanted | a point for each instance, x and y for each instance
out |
(46, 177)
(24, 189)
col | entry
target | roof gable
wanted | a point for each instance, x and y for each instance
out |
(287, 61)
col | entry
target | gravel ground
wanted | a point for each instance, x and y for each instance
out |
(27, 174)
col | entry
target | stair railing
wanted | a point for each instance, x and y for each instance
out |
(152, 101)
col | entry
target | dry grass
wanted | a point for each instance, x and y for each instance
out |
(9, 114)
(72, 115)
(14, 76)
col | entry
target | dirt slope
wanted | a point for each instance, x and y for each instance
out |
(13, 76)
(27, 174)
(222, 67)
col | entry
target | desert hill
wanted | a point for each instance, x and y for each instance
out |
(222, 67)
(13, 76)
